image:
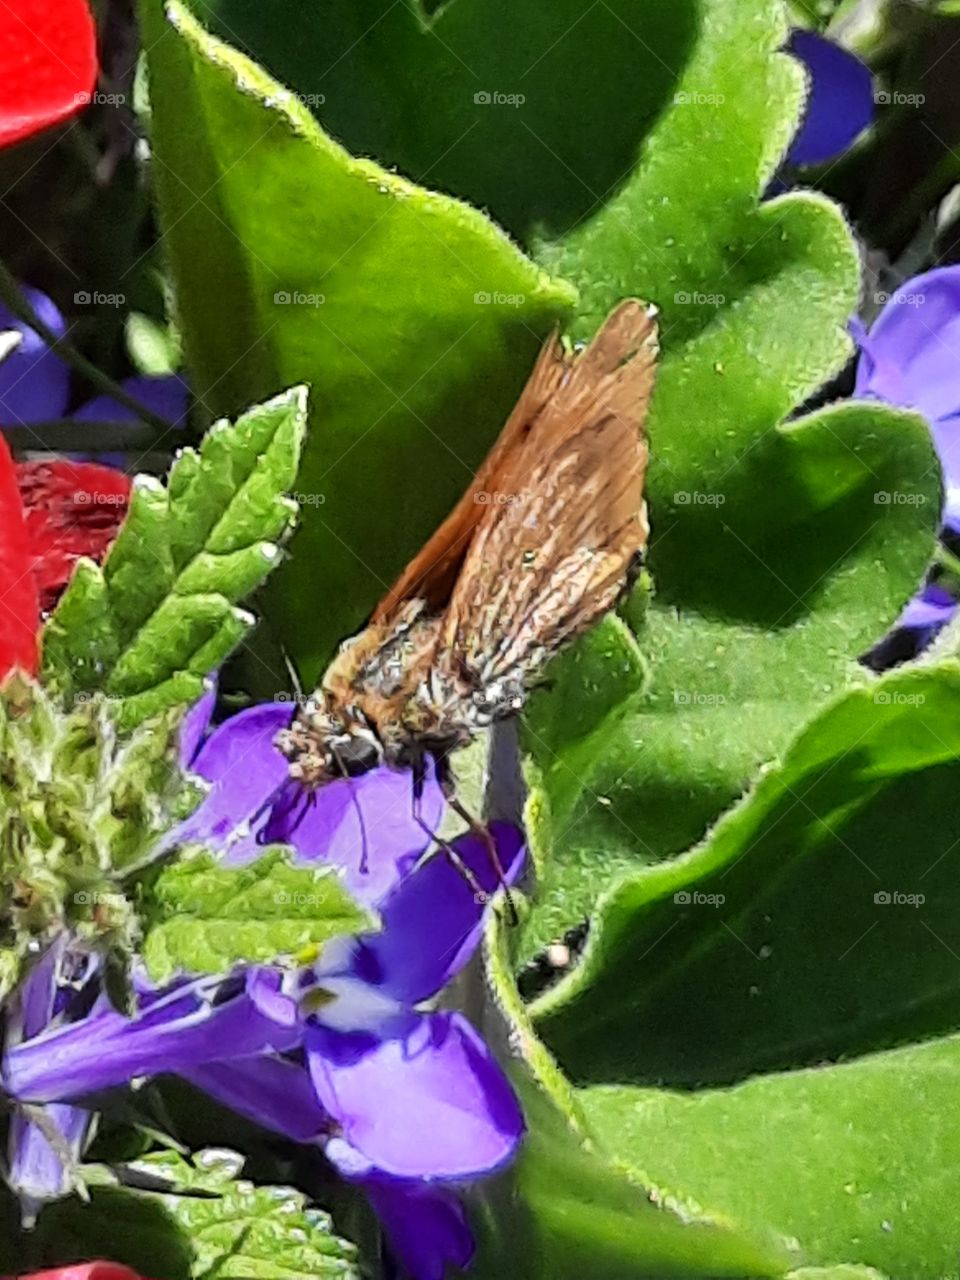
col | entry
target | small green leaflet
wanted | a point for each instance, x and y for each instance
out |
(208, 917)
(162, 611)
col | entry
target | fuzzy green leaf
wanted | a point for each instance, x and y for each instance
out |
(162, 612)
(410, 315)
(195, 1220)
(850, 842)
(207, 917)
(855, 1162)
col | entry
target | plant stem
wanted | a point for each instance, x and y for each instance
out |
(67, 435)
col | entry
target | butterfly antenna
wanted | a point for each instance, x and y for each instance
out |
(364, 862)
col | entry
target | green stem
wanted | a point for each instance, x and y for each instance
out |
(67, 435)
(11, 295)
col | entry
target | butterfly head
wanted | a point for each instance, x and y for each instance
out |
(327, 742)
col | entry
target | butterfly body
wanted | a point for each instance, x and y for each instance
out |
(541, 545)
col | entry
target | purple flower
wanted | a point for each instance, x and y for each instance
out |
(43, 1149)
(35, 382)
(406, 1101)
(839, 103)
(911, 358)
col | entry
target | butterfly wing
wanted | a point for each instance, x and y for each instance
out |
(431, 575)
(552, 555)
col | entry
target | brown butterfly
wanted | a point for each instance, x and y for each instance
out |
(538, 548)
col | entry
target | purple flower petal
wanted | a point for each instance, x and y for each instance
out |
(38, 1170)
(365, 826)
(433, 1103)
(179, 1029)
(840, 101)
(245, 770)
(911, 355)
(273, 1092)
(34, 383)
(195, 723)
(426, 1226)
(932, 608)
(432, 921)
(167, 397)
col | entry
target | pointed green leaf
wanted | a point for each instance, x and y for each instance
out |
(162, 612)
(194, 1220)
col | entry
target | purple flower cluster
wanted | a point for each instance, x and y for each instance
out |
(35, 382)
(405, 1100)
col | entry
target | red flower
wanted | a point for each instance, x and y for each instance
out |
(51, 514)
(72, 509)
(84, 1271)
(19, 607)
(48, 64)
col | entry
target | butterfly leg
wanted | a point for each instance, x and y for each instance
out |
(448, 785)
(419, 777)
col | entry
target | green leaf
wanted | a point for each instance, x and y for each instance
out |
(154, 347)
(756, 528)
(856, 1162)
(197, 1221)
(413, 319)
(764, 625)
(161, 613)
(208, 917)
(819, 919)
(566, 1210)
